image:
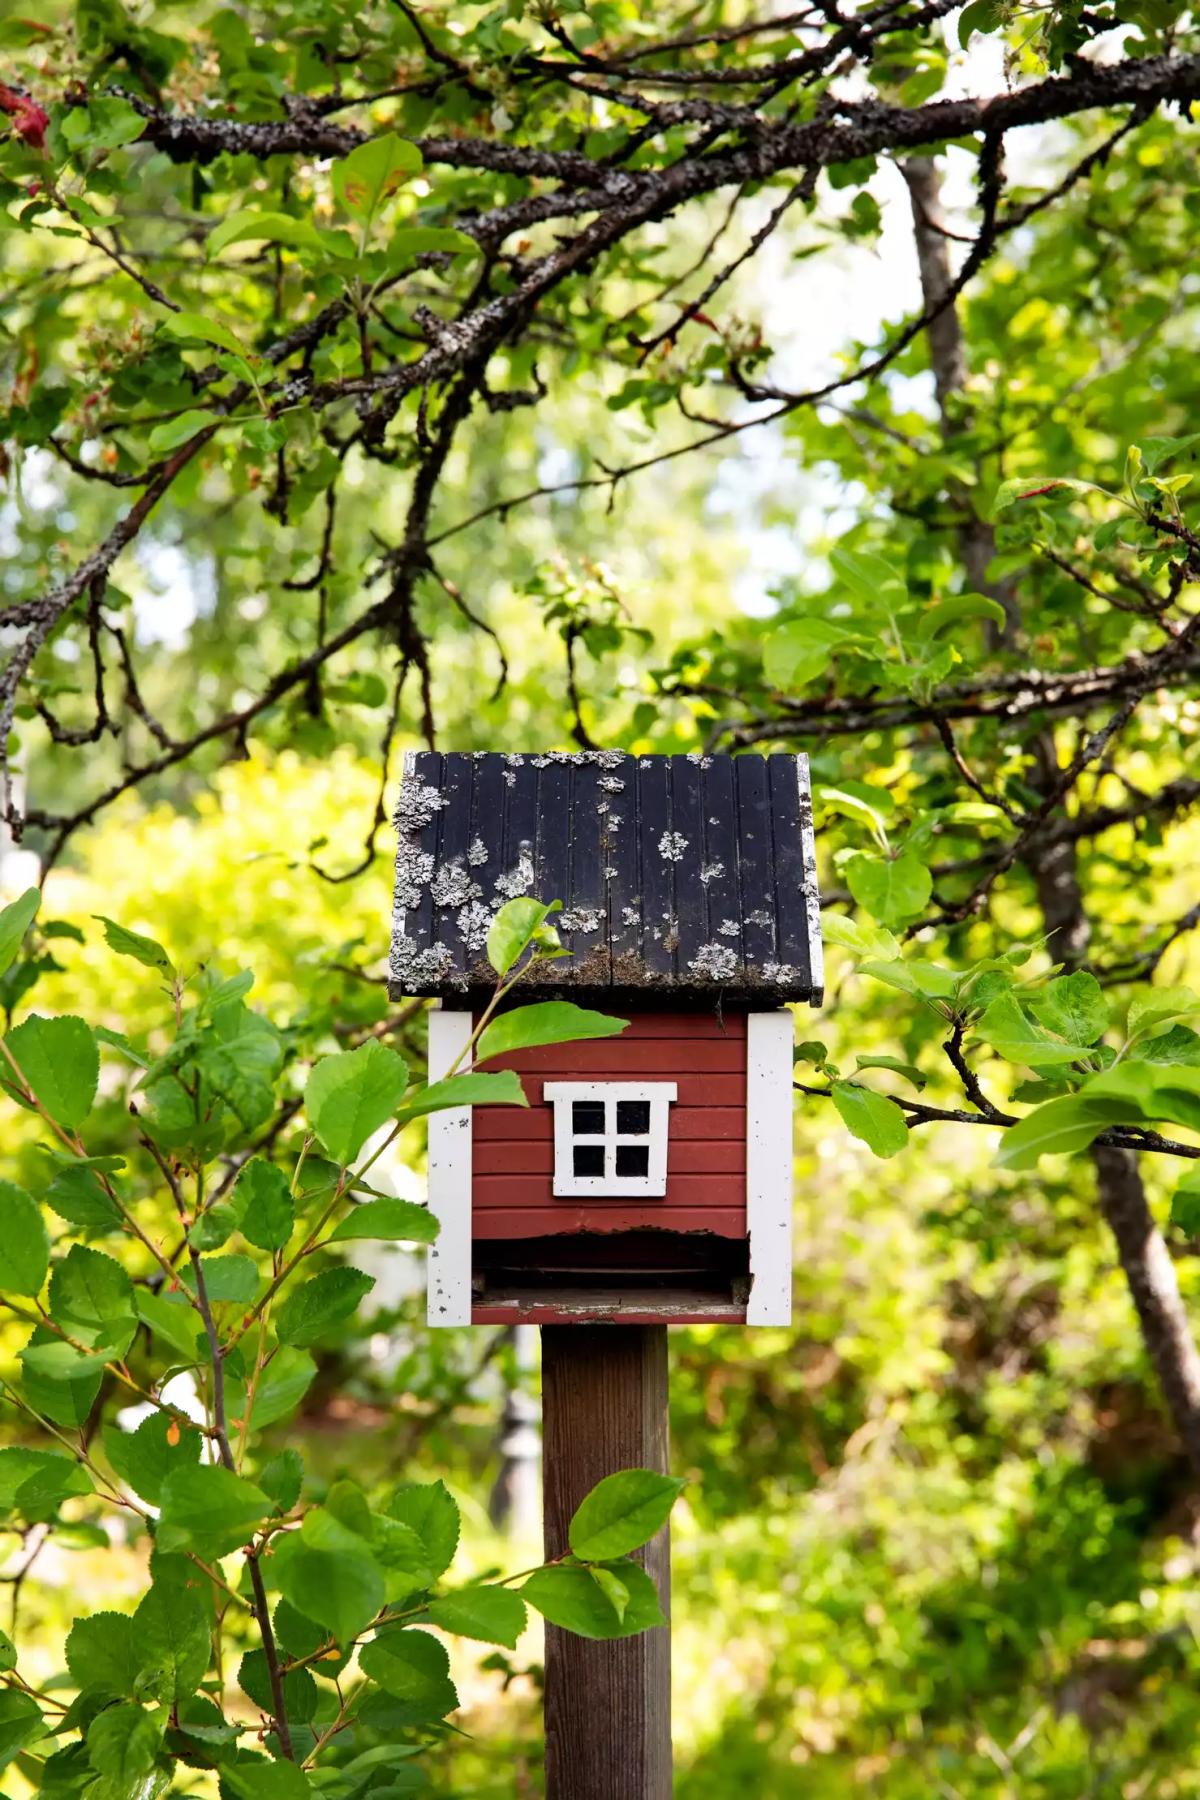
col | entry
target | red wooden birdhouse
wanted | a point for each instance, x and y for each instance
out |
(649, 1181)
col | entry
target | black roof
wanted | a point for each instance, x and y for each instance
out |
(690, 876)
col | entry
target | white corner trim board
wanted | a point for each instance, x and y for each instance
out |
(769, 1038)
(629, 1154)
(449, 1269)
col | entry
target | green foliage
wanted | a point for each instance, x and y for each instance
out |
(222, 1237)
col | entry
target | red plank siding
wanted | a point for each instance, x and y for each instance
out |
(607, 1215)
(503, 1124)
(706, 1145)
(688, 1156)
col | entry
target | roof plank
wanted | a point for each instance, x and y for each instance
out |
(687, 877)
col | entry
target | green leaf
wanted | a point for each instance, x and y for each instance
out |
(1005, 1027)
(174, 1321)
(280, 1388)
(321, 1303)
(1037, 487)
(104, 124)
(1185, 1204)
(514, 928)
(612, 1587)
(893, 889)
(1059, 1128)
(961, 606)
(798, 652)
(867, 576)
(92, 1297)
(860, 938)
(413, 1668)
(912, 975)
(428, 1508)
(228, 1280)
(259, 1780)
(60, 1063)
(24, 1242)
(909, 1071)
(263, 1202)
(172, 1629)
(494, 1615)
(251, 226)
(34, 1483)
(173, 432)
(622, 1513)
(567, 1595)
(1155, 1008)
(66, 1390)
(399, 1220)
(299, 1688)
(1073, 1006)
(374, 172)
(878, 1121)
(282, 1478)
(20, 1723)
(551, 1022)
(123, 1742)
(15, 921)
(411, 241)
(331, 1579)
(209, 1509)
(209, 331)
(145, 950)
(350, 1095)
(501, 1089)
(102, 1655)
(144, 1458)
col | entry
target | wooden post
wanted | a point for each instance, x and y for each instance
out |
(608, 1704)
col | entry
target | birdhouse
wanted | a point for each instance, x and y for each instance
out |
(649, 1181)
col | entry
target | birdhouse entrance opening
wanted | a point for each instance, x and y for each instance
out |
(610, 1273)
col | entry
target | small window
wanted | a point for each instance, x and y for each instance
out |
(610, 1138)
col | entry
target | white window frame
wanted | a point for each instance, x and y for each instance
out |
(562, 1095)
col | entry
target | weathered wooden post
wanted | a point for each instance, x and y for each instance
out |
(649, 1181)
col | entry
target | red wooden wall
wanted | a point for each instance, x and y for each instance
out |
(706, 1146)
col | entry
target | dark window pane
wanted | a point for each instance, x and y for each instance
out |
(633, 1117)
(589, 1159)
(587, 1117)
(633, 1159)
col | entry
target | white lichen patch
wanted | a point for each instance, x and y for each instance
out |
(671, 846)
(729, 928)
(474, 923)
(611, 785)
(581, 918)
(698, 757)
(452, 885)
(414, 966)
(778, 972)
(478, 853)
(417, 804)
(414, 870)
(760, 916)
(518, 880)
(717, 962)
(630, 915)
(712, 872)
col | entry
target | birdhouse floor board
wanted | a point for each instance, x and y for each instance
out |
(612, 1307)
